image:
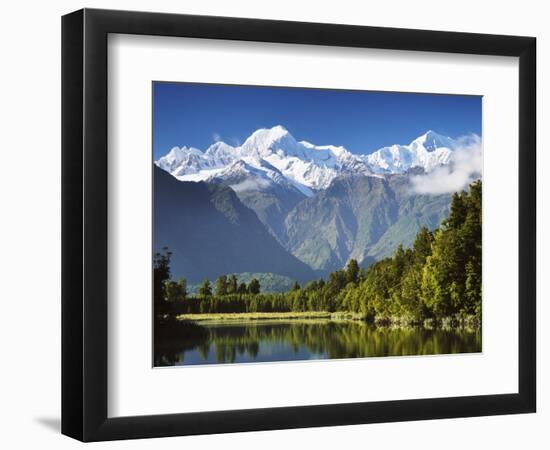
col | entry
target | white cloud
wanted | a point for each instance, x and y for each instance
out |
(465, 166)
(255, 184)
(216, 137)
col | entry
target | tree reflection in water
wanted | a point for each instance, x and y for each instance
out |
(308, 339)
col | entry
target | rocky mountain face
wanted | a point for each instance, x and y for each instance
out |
(364, 218)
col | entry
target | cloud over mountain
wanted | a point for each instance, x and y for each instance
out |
(464, 165)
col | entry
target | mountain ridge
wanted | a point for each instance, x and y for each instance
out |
(306, 166)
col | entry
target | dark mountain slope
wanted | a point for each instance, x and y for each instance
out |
(210, 233)
(270, 198)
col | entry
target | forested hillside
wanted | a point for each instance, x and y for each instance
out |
(438, 277)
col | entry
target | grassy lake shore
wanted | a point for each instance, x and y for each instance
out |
(399, 322)
(256, 316)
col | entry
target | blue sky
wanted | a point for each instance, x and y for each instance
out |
(199, 114)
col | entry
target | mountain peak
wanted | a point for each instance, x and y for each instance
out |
(178, 156)
(181, 152)
(220, 145)
(266, 141)
(268, 135)
(278, 129)
(432, 140)
(427, 151)
(219, 148)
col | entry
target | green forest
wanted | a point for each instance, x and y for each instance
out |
(438, 278)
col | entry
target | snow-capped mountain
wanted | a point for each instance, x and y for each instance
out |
(427, 151)
(309, 197)
(274, 156)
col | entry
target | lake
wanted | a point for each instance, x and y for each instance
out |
(278, 340)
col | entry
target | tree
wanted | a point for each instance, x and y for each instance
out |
(451, 278)
(422, 246)
(176, 291)
(362, 275)
(295, 286)
(221, 286)
(473, 289)
(440, 276)
(352, 271)
(205, 289)
(232, 284)
(378, 286)
(337, 280)
(312, 286)
(299, 300)
(399, 262)
(242, 289)
(411, 303)
(457, 213)
(161, 274)
(254, 286)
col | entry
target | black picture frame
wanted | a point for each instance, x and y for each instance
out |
(84, 224)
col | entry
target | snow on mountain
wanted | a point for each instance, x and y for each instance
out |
(272, 156)
(220, 154)
(428, 151)
(432, 141)
(251, 174)
(184, 159)
(269, 154)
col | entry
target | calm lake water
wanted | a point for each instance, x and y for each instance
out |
(262, 341)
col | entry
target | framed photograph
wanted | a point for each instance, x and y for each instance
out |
(273, 224)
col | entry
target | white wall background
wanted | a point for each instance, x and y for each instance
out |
(30, 221)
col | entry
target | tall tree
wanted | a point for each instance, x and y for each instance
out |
(161, 274)
(205, 289)
(232, 284)
(352, 271)
(458, 210)
(221, 285)
(472, 292)
(439, 278)
(176, 291)
(254, 286)
(422, 245)
(242, 289)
